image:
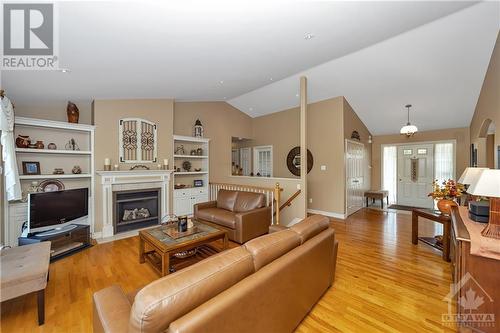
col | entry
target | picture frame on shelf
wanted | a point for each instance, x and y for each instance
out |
(31, 168)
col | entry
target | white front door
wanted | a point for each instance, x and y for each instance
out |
(415, 175)
(355, 159)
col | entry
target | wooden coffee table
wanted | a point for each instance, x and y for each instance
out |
(156, 247)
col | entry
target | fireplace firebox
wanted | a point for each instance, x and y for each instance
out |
(136, 209)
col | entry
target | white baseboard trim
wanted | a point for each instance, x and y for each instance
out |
(329, 214)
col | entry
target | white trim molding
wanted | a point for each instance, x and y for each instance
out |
(114, 181)
(329, 214)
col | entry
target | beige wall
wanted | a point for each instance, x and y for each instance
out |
(461, 135)
(488, 106)
(221, 122)
(282, 131)
(325, 140)
(107, 113)
(54, 110)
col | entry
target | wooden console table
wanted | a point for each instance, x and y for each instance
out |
(473, 272)
(435, 216)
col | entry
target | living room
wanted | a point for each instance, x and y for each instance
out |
(152, 177)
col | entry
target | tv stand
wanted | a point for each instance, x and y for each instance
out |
(64, 242)
(56, 231)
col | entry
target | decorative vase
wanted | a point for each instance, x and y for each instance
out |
(39, 144)
(52, 146)
(22, 141)
(76, 170)
(73, 113)
(444, 206)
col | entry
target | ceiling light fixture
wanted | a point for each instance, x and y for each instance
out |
(308, 36)
(64, 70)
(221, 82)
(408, 129)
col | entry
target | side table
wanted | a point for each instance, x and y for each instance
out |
(435, 216)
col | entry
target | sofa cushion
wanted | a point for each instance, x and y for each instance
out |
(270, 247)
(311, 226)
(24, 269)
(246, 201)
(169, 298)
(226, 199)
(219, 216)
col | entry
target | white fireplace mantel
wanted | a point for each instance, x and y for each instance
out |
(115, 181)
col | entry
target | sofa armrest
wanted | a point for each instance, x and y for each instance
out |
(252, 224)
(204, 205)
(111, 311)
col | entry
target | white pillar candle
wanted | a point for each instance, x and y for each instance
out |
(107, 161)
(165, 161)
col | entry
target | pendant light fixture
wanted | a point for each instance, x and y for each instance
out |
(408, 129)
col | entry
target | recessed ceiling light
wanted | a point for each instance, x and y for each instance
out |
(296, 95)
(251, 109)
(224, 97)
(64, 70)
(221, 82)
(270, 79)
(308, 36)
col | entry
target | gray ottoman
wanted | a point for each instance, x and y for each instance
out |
(24, 270)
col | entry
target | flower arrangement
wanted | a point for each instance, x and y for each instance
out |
(448, 190)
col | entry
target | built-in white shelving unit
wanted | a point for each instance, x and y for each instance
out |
(49, 151)
(59, 133)
(186, 197)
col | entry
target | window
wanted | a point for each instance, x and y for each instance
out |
(444, 161)
(137, 141)
(263, 161)
(390, 172)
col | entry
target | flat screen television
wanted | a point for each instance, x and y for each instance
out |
(59, 207)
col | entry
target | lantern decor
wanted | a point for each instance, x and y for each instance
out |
(198, 129)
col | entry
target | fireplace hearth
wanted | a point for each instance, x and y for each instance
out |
(136, 209)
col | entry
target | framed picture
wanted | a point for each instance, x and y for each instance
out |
(198, 183)
(31, 168)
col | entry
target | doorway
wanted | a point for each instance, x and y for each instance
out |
(415, 175)
(408, 170)
(355, 178)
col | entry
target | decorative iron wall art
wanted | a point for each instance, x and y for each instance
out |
(138, 141)
(414, 169)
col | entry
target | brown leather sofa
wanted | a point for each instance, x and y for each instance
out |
(268, 284)
(243, 214)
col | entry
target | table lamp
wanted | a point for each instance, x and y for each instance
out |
(488, 185)
(470, 175)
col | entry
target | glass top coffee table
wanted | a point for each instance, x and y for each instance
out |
(163, 247)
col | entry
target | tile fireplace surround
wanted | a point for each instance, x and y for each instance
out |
(118, 181)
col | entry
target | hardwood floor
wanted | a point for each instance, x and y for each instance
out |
(383, 282)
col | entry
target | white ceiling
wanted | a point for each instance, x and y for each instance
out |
(227, 49)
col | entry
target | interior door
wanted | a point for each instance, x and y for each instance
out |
(245, 160)
(355, 160)
(415, 175)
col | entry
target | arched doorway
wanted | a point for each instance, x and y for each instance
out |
(484, 144)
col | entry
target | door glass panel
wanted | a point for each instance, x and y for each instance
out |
(422, 151)
(407, 151)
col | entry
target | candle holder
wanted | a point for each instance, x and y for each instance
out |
(107, 167)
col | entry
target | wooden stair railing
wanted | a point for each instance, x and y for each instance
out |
(287, 203)
(272, 194)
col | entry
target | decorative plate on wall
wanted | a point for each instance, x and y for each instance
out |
(293, 161)
(51, 185)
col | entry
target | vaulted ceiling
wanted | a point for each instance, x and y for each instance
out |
(380, 55)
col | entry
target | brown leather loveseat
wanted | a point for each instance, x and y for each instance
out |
(269, 284)
(243, 214)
